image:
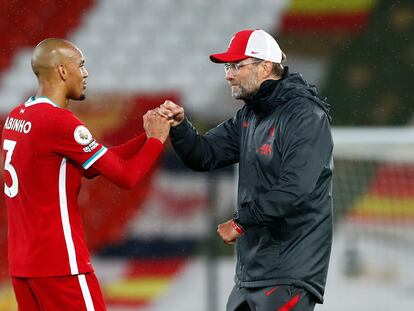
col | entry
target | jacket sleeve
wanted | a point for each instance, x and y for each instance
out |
(219, 147)
(306, 147)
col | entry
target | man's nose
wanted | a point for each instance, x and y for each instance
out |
(229, 75)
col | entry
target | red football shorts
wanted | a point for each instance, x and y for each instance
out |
(75, 292)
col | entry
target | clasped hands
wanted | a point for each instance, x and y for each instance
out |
(157, 122)
(169, 115)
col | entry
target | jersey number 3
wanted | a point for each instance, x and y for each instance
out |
(11, 191)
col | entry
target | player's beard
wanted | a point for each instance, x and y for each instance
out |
(82, 95)
(83, 92)
(247, 88)
(78, 97)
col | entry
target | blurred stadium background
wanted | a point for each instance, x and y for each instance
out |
(155, 247)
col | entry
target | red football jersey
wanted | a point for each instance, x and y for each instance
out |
(46, 152)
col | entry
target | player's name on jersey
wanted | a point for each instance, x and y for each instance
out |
(21, 126)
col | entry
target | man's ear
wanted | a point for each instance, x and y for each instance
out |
(62, 72)
(267, 68)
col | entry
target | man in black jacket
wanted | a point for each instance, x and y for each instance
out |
(282, 141)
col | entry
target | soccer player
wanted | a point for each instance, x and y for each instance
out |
(281, 139)
(46, 152)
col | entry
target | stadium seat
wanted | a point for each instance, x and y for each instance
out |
(146, 45)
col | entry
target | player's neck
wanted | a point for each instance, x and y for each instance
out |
(54, 94)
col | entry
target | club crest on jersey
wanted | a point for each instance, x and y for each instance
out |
(82, 135)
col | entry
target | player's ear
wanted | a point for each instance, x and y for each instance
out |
(62, 72)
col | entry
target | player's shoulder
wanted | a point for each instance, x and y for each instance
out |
(63, 115)
(16, 110)
(47, 109)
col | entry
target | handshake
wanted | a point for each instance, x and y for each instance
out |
(157, 122)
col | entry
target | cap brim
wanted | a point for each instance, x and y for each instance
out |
(227, 57)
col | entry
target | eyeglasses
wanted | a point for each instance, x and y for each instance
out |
(235, 67)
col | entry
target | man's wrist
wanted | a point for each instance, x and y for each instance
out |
(178, 123)
(236, 226)
(180, 129)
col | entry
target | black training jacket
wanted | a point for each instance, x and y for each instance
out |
(282, 141)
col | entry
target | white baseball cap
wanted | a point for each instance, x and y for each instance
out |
(250, 43)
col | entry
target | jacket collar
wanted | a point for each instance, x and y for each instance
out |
(273, 93)
(264, 100)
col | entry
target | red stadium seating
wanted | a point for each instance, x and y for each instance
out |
(24, 23)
